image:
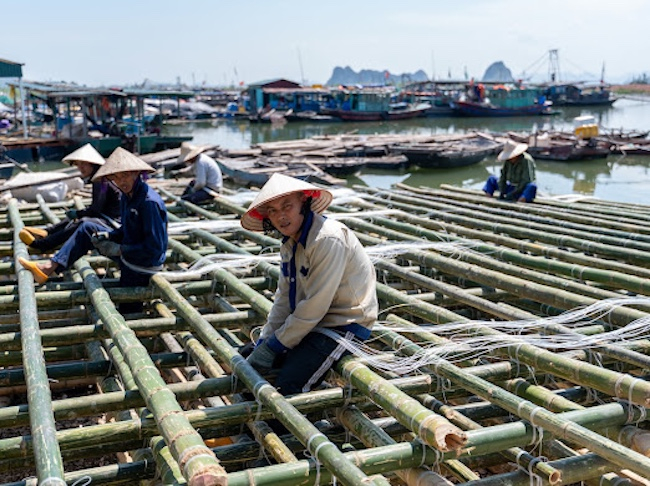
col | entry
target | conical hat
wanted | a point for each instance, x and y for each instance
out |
(189, 151)
(278, 186)
(87, 153)
(511, 150)
(122, 161)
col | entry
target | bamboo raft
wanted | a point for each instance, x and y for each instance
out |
(93, 397)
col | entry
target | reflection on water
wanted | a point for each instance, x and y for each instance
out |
(617, 178)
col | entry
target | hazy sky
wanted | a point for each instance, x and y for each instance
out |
(220, 42)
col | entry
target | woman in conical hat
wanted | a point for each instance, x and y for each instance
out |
(104, 207)
(517, 181)
(326, 292)
(139, 244)
(141, 241)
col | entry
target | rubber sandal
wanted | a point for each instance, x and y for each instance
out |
(37, 232)
(26, 237)
(39, 275)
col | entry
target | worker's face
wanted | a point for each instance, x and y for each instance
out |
(86, 168)
(285, 214)
(124, 181)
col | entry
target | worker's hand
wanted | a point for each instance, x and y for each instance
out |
(105, 246)
(71, 214)
(262, 357)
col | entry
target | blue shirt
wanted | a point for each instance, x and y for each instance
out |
(143, 235)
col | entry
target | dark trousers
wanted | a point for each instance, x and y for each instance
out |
(57, 234)
(79, 243)
(195, 197)
(304, 367)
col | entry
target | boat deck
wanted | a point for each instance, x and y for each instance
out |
(512, 347)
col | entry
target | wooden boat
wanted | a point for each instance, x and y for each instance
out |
(501, 100)
(436, 157)
(473, 108)
(371, 105)
(468, 150)
(579, 95)
(255, 172)
(569, 152)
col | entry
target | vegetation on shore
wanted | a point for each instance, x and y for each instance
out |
(635, 88)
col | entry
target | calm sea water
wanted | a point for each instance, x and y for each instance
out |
(625, 179)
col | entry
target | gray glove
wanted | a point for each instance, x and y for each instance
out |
(105, 246)
(262, 357)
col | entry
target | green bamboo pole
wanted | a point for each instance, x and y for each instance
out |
(471, 231)
(434, 430)
(612, 278)
(587, 218)
(536, 415)
(609, 212)
(539, 216)
(142, 327)
(493, 278)
(582, 241)
(267, 396)
(198, 463)
(507, 312)
(47, 454)
(373, 436)
(513, 454)
(608, 238)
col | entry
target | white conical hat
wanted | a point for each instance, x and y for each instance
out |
(189, 151)
(86, 153)
(511, 150)
(122, 161)
(278, 186)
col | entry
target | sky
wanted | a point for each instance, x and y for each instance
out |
(221, 42)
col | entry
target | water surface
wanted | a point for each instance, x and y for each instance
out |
(617, 178)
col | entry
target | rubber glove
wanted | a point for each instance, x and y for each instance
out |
(105, 246)
(71, 214)
(262, 357)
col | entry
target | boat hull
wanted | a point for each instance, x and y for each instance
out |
(465, 108)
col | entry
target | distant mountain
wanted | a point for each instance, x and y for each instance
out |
(497, 72)
(347, 76)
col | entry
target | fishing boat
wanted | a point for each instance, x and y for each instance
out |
(580, 94)
(437, 157)
(255, 172)
(501, 100)
(371, 105)
(460, 152)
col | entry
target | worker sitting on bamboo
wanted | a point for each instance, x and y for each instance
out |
(517, 181)
(326, 292)
(208, 180)
(140, 243)
(104, 208)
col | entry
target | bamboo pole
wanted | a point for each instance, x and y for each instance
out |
(536, 415)
(263, 391)
(47, 454)
(198, 463)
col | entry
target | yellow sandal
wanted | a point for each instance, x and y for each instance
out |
(39, 276)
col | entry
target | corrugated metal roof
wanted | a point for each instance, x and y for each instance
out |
(10, 69)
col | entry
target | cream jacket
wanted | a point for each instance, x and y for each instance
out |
(334, 284)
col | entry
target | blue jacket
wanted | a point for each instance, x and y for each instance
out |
(143, 234)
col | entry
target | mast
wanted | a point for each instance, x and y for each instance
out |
(553, 66)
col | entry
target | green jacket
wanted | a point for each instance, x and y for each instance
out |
(518, 173)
